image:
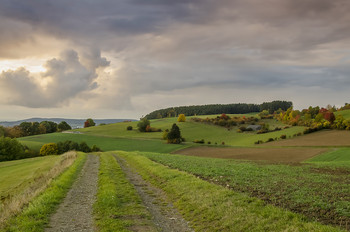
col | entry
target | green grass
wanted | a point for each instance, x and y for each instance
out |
(192, 131)
(36, 215)
(210, 207)
(345, 113)
(103, 141)
(17, 175)
(318, 191)
(118, 206)
(336, 155)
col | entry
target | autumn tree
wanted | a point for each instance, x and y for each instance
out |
(181, 118)
(142, 125)
(89, 122)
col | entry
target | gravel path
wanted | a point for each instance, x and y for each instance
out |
(75, 213)
(164, 215)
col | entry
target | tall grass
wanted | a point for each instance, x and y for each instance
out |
(36, 214)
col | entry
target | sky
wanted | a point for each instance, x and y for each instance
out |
(126, 58)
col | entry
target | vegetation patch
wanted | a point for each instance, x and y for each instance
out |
(211, 207)
(36, 214)
(319, 195)
(118, 206)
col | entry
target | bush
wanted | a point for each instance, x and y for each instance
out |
(10, 148)
(181, 118)
(49, 149)
(259, 142)
(129, 128)
(209, 142)
(270, 140)
(142, 125)
(95, 148)
(84, 147)
(283, 136)
(223, 143)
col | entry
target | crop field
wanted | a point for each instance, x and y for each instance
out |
(325, 138)
(345, 113)
(274, 155)
(336, 155)
(318, 191)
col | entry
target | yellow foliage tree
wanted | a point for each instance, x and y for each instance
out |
(181, 118)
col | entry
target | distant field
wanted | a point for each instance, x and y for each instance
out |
(319, 191)
(104, 142)
(193, 131)
(285, 155)
(325, 138)
(345, 113)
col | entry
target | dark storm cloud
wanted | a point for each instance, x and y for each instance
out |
(173, 45)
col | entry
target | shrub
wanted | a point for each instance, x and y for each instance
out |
(129, 128)
(142, 125)
(199, 141)
(49, 149)
(259, 142)
(9, 148)
(209, 142)
(283, 136)
(222, 143)
(95, 148)
(84, 147)
(270, 140)
(174, 135)
(181, 118)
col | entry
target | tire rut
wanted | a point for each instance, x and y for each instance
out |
(164, 215)
(75, 212)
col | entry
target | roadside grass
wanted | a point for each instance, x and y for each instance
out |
(22, 180)
(210, 207)
(336, 155)
(118, 206)
(36, 214)
(17, 175)
(319, 191)
(104, 142)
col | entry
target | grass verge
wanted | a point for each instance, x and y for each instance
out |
(211, 207)
(118, 207)
(36, 215)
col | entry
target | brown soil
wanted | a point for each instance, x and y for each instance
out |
(282, 155)
(164, 215)
(321, 138)
(75, 212)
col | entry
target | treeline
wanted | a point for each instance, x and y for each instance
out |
(33, 128)
(239, 108)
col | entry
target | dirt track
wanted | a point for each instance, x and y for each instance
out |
(164, 215)
(75, 212)
(284, 155)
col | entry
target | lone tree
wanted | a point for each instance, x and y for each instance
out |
(174, 135)
(89, 122)
(181, 118)
(142, 125)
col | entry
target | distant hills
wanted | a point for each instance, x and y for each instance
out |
(74, 123)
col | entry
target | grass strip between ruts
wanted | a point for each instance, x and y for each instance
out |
(36, 215)
(118, 206)
(209, 207)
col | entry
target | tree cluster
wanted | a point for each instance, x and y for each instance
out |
(33, 128)
(227, 121)
(240, 108)
(68, 145)
(89, 122)
(315, 118)
(11, 149)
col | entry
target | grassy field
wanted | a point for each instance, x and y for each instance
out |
(211, 207)
(36, 215)
(17, 175)
(38, 188)
(103, 141)
(116, 137)
(345, 113)
(319, 191)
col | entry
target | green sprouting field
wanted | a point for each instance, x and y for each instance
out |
(344, 113)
